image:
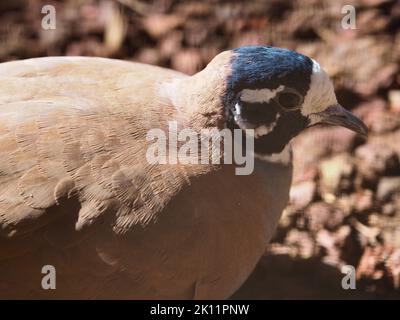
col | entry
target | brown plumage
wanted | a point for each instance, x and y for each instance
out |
(76, 191)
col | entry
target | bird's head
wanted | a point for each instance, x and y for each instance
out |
(278, 93)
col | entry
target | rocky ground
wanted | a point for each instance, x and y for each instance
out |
(345, 201)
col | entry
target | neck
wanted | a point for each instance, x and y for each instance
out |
(199, 98)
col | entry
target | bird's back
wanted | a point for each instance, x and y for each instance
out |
(60, 119)
(72, 149)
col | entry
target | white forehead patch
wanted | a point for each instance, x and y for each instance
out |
(259, 95)
(321, 93)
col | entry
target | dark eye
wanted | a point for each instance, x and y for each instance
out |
(289, 99)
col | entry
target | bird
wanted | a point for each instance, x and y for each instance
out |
(77, 193)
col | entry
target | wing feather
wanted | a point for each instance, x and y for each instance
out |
(76, 128)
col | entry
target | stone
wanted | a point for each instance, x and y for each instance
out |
(321, 215)
(394, 100)
(387, 186)
(302, 241)
(336, 174)
(374, 160)
(302, 194)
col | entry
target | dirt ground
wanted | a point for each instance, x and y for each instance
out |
(345, 200)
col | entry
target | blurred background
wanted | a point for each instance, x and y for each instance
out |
(345, 200)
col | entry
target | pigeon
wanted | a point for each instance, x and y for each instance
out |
(85, 213)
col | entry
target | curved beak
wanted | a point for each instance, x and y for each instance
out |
(338, 116)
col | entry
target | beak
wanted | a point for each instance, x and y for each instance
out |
(338, 116)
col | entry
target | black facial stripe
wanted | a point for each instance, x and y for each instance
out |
(258, 113)
(259, 67)
(287, 127)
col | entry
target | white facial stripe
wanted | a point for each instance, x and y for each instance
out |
(284, 157)
(238, 109)
(259, 95)
(265, 129)
(321, 93)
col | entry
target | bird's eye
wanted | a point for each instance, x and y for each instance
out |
(289, 99)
